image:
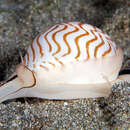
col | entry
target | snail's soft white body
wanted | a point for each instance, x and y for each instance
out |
(68, 61)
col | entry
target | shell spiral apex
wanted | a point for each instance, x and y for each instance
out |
(68, 61)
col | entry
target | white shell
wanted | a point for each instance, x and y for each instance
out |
(68, 42)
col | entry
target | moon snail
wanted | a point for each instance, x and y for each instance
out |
(68, 61)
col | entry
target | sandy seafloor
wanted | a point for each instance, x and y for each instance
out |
(20, 22)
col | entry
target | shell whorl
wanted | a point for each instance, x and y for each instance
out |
(67, 42)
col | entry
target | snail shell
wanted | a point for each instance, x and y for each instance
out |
(68, 61)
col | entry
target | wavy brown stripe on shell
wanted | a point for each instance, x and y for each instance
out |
(108, 51)
(90, 42)
(55, 41)
(65, 40)
(39, 45)
(33, 52)
(45, 37)
(100, 45)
